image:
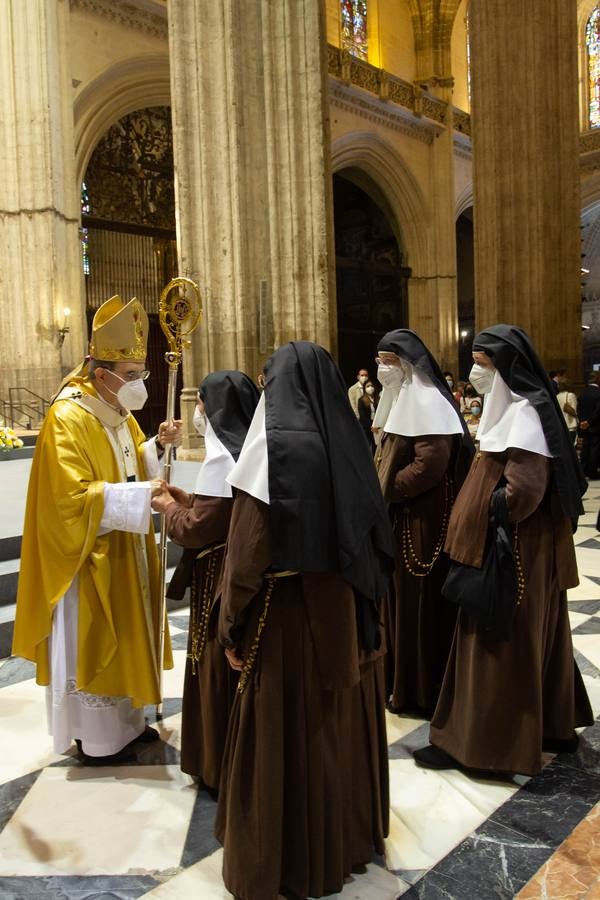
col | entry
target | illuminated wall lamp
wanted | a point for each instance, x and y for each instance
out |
(62, 332)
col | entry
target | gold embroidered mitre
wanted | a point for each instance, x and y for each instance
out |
(119, 331)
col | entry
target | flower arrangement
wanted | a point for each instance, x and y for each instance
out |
(8, 439)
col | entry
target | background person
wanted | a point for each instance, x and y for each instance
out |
(367, 406)
(357, 390)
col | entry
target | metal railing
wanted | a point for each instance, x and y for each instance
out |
(23, 413)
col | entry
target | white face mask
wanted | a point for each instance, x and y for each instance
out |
(450, 383)
(370, 390)
(199, 421)
(132, 395)
(481, 378)
(391, 376)
(362, 379)
(475, 410)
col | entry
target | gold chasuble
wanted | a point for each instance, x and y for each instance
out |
(118, 604)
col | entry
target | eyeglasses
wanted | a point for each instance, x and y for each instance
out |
(132, 376)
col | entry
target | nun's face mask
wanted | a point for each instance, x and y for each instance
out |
(392, 372)
(482, 374)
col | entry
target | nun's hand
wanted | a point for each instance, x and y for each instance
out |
(374, 429)
(170, 432)
(234, 659)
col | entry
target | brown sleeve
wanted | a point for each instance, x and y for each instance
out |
(180, 496)
(432, 455)
(247, 558)
(204, 522)
(527, 475)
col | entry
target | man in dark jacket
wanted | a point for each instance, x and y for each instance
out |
(588, 413)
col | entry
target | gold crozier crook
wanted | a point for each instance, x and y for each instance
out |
(180, 311)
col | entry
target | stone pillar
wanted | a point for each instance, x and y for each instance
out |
(39, 216)
(253, 185)
(526, 177)
(433, 309)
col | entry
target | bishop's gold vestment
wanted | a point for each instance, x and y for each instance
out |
(116, 639)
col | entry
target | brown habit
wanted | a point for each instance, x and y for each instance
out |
(418, 621)
(499, 699)
(201, 523)
(304, 795)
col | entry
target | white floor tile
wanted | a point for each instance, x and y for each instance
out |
(104, 821)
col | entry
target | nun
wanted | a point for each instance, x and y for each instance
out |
(423, 457)
(199, 522)
(304, 794)
(505, 701)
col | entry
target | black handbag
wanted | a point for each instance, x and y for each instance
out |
(489, 594)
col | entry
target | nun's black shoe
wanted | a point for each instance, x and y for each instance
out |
(431, 757)
(561, 745)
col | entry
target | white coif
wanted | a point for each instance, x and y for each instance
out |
(509, 420)
(251, 471)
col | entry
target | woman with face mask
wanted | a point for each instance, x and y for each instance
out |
(473, 415)
(504, 701)
(303, 799)
(422, 458)
(199, 522)
(367, 407)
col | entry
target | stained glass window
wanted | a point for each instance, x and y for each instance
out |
(354, 27)
(592, 40)
(83, 232)
(468, 40)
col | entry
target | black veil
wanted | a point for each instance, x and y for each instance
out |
(230, 399)
(326, 507)
(409, 346)
(512, 352)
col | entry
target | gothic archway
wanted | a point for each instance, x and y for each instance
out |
(372, 282)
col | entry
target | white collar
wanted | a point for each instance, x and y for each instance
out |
(218, 463)
(417, 408)
(251, 471)
(509, 420)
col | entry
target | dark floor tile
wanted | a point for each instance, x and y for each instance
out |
(76, 887)
(14, 670)
(200, 840)
(584, 606)
(183, 622)
(548, 807)
(171, 706)
(592, 626)
(584, 665)
(6, 636)
(179, 640)
(11, 794)
(590, 544)
(414, 740)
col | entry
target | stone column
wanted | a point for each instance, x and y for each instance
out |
(253, 186)
(433, 310)
(526, 177)
(39, 217)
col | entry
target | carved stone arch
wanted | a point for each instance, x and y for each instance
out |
(464, 201)
(395, 187)
(122, 88)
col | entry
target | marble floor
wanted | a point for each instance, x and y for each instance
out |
(68, 832)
